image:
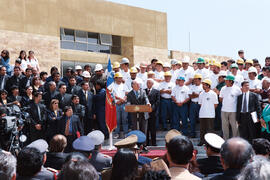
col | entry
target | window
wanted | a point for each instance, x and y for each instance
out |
(105, 39)
(89, 41)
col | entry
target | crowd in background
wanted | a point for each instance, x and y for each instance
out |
(229, 98)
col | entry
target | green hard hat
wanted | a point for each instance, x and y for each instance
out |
(230, 77)
(234, 66)
(200, 60)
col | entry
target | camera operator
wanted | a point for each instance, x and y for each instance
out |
(4, 137)
(37, 114)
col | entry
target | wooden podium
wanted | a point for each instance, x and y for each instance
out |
(138, 108)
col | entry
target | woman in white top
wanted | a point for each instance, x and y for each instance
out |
(23, 60)
(32, 60)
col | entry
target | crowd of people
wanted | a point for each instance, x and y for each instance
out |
(228, 98)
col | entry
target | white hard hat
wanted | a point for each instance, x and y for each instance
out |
(174, 62)
(125, 60)
(252, 69)
(186, 59)
(78, 67)
(222, 73)
(98, 67)
(167, 65)
(86, 74)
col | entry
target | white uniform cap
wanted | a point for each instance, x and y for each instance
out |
(252, 69)
(222, 73)
(97, 137)
(86, 74)
(214, 140)
(98, 67)
(186, 59)
(78, 67)
(124, 61)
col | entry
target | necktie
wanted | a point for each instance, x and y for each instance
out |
(67, 127)
(137, 94)
(245, 104)
(39, 116)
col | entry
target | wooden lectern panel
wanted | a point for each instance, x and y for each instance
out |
(138, 108)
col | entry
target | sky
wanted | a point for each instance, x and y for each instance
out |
(218, 27)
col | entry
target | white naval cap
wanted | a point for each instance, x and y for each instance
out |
(97, 137)
(214, 140)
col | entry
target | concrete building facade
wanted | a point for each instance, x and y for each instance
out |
(69, 32)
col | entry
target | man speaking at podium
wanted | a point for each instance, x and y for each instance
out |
(138, 97)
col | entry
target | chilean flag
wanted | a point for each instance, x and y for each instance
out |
(110, 108)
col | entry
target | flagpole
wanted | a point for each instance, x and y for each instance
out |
(111, 147)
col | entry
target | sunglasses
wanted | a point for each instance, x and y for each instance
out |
(3, 53)
(55, 103)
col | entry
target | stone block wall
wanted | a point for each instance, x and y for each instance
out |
(46, 48)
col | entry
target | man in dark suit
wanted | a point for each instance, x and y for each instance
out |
(3, 77)
(137, 96)
(15, 79)
(25, 81)
(72, 88)
(247, 103)
(154, 98)
(37, 112)
(78, 109)
(49, 95)
(14, 97)
(63, 98)
(86, 99)
(70, 126)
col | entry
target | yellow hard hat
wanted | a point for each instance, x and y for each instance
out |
(150, 72)
(207, 81)
(168, 73)
(179, 62)
(249, 61)
(240, 61)
(197, 76)
(117, 75)
(217, 64)
(133, 70)
(116, 65)
(159, 62)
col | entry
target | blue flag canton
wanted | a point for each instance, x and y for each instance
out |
(110, 77)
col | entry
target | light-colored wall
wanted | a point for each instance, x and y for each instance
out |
(46, 48)
(147, 27)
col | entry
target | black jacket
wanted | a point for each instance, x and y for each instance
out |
(87, 103)
(23, 83)
(154, 98)
(55, 160)
(76, 126)
(253, 105)
(5, 79)
(141, 100)
(228, 174)
(48, 96)
(78, 110)
(210, 165)
(73, 89)
(33, 112)
(14, 80)
(64, 100)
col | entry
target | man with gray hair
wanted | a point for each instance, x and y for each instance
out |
(235, 154)
(258, 169)
(7, 166)
(137, 96)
